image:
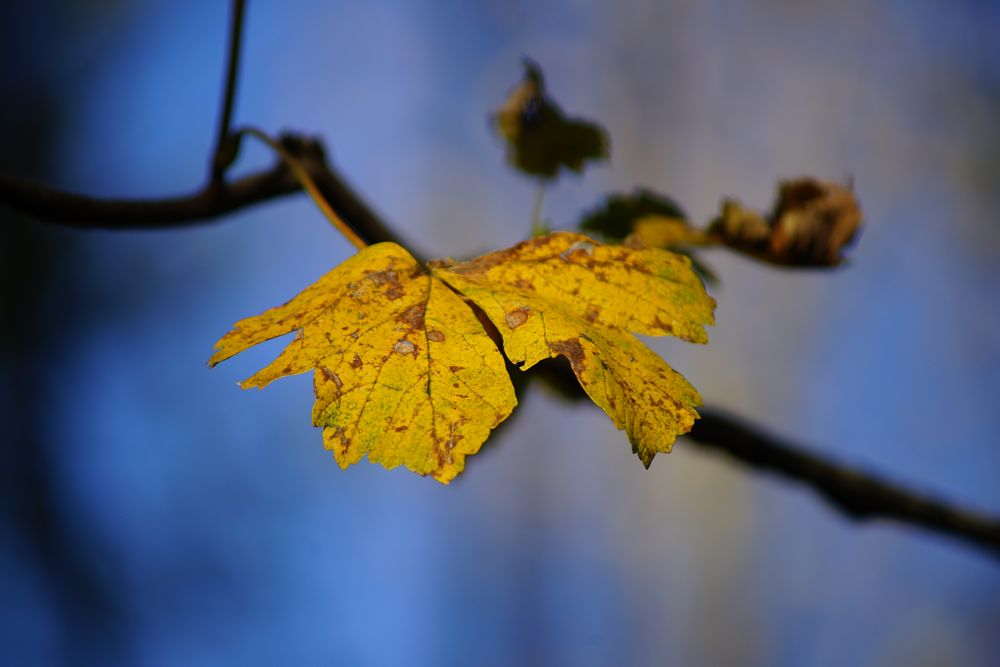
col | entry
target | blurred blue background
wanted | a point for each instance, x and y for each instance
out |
(153, 514)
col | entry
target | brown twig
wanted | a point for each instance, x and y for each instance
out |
(204, 205)
(857, 494)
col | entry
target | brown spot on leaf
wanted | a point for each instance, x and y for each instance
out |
(571, 349)
(439, 454)
(591, 313)
(383, 277)
(400, 429)
(453, 439)
(665, 326)
(345, 443)
(578, 249)
(405, 347)
(413, 316)
(394, 292)
(330, 376)
(356, 363)
(517, 317)
(435, 335)
(455, 369)
(358, 289)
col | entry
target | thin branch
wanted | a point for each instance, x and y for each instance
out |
(854, 493)
(203, 206)
(84, 212)
(227, 145)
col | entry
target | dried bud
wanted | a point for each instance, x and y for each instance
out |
(810, 225)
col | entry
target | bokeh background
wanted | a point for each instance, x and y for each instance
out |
(153, 514)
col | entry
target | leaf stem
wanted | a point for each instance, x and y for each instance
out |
(538, 227)
(308, 184)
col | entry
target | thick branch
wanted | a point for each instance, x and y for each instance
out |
(856, 494)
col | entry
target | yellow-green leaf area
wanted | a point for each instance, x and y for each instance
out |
(657, 231)
(565, 294)
(644, 290)
(403, 371)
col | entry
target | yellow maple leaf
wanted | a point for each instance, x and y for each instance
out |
(405, 373)
(564, 294)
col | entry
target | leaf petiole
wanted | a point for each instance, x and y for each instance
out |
(301, 174)
(538, 226)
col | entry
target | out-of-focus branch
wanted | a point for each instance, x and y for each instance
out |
(856, 494)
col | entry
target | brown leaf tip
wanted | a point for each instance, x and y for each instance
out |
(345, 442)
(571, 349)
